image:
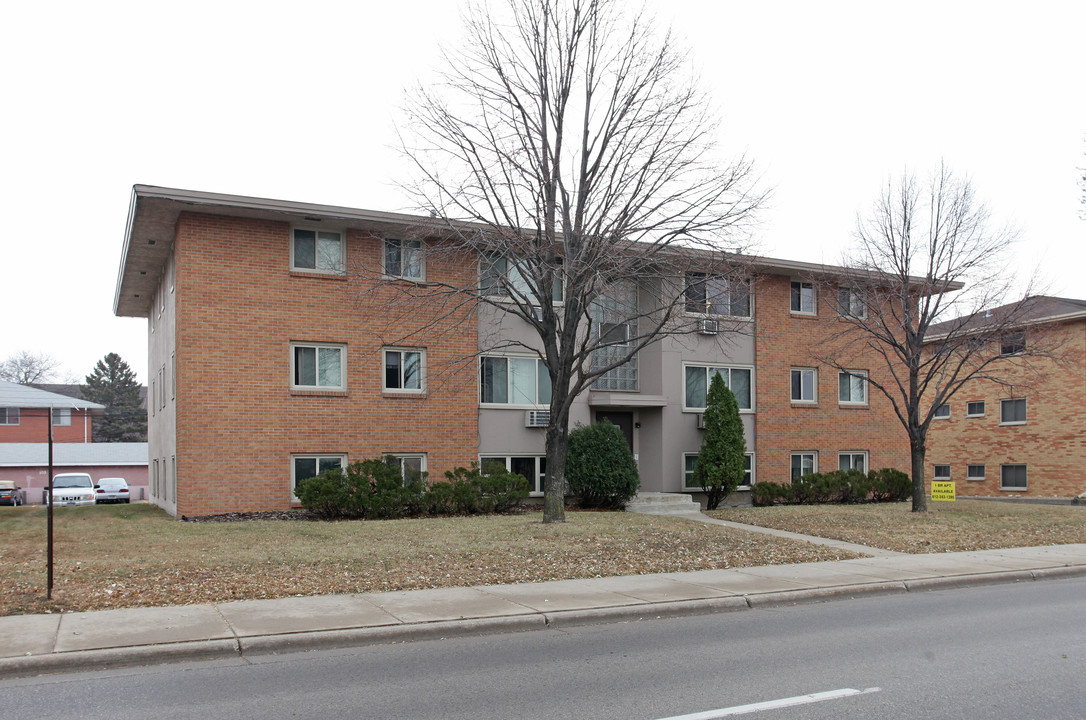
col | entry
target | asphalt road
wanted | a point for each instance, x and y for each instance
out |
(1001, 651)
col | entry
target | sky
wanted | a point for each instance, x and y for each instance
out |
(300, 101)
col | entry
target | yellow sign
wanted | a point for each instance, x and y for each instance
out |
(942, 491)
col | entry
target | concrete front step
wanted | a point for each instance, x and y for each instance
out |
(653, 503)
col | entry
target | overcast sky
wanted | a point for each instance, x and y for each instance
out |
(299, 101)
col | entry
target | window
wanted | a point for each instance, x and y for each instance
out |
(404, 370)
(1012, 477)
(974, 409)
(155, 488)
(941, 472)
(9, 416)
(62, 417)
(1012, 343)
(942, 412)
(307, 466)
(852, 387)
(804, 385)
(515, 381)
(717, 296)
(699, 377)
(974, 472)
(852, 461)
(501, 276)
(690, 463)
(850, 303)
(412, 467)
(317, 251)
(532, 467)
(803, 297)
(173, 375)
(403, 259)
(317, 366)
(153, 397)
(804, 464)
(1012, 412)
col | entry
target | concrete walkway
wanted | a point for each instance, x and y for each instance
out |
(34, 644)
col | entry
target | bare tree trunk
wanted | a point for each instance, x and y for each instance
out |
(554, 495)
(920, 498)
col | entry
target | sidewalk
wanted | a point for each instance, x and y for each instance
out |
(33, 644)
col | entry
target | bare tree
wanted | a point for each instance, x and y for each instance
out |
(26, 368)
(900, 300)
(568, 150)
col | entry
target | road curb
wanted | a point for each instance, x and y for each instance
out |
(971, 580)
(834, 592)
(110, 658)
(360, 637)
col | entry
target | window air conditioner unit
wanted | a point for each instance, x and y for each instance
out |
(709, 327)
(537, 313)
(537, 418)
(701, 421)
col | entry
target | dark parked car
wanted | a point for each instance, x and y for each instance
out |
(111, 490)
(11, 494)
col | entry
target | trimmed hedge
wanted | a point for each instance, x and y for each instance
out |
(838, 486)
(374, 489)
(600, 469)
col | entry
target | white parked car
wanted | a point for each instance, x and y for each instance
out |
(73, 489)
(111, 490)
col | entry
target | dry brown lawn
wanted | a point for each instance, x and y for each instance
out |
(135, 555)
(946, 527)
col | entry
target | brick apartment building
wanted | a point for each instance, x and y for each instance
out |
(1025, 436)
(270, 361)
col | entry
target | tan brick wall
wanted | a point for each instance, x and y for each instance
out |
(239, 307)
(785, 340)
(1052, 442)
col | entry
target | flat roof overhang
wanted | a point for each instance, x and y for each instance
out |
(152, 219)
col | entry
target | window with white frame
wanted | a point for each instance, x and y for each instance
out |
(852, 387)
(850, 303)
(804, 463)
(318, 366)
(404, 370)
(62, 417)
(698, 377)
(940, 472)
(532, 467)
(714, 295)
(9, 416)
(690, 464)
(852, 461)
(502, 276)
(411, 466)
(403, 259)
(974, 472)
(1012, 477)
(304, 465)
(317, 251)
(1012, 343)
(514, 381)
(802, 297)
(942, 412)
(974, 408)
(1012, 412)
(804, 385)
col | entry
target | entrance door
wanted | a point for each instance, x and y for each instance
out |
(624, 421)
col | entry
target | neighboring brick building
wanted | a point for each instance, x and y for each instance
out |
(1027, 435)
(275, 353)
(24, 410)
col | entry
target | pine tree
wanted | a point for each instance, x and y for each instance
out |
(723, 449)
(113, 384)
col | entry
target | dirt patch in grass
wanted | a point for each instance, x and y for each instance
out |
(135, 555)
(946, 527)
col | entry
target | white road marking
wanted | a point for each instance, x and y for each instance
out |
(773, 704)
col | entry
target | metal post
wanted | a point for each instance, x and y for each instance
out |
(49, 497)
